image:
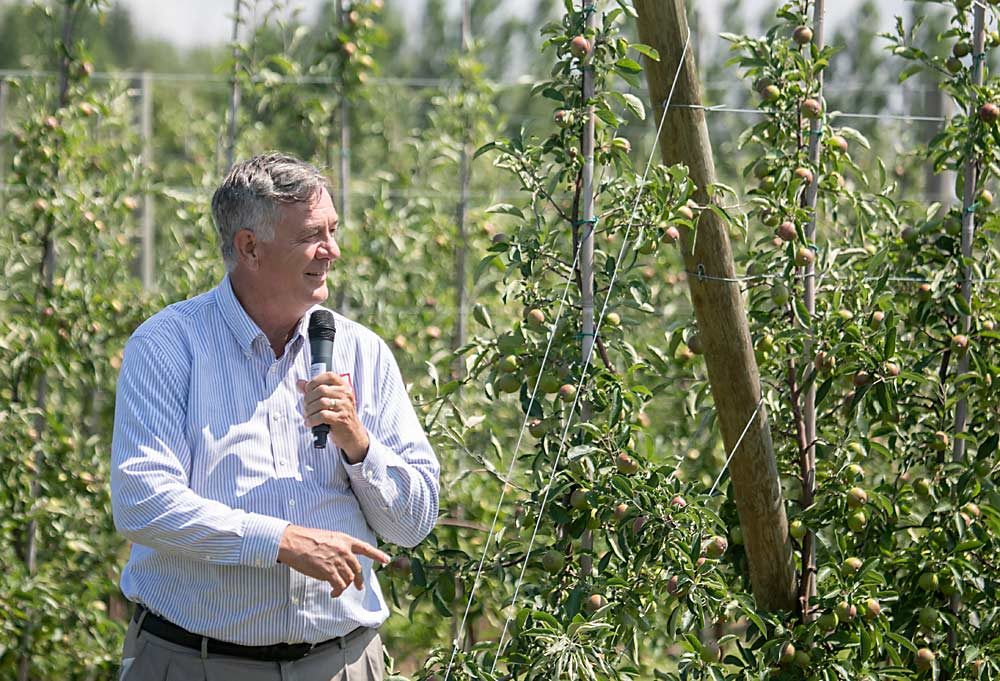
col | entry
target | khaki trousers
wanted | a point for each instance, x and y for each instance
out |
(148, 658)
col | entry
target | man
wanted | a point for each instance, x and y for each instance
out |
(252, 549)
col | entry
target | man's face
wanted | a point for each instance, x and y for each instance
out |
(294, 265)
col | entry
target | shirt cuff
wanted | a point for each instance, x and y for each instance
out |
(372, 469)
(261, 540)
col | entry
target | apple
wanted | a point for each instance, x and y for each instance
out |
(928, 618)
(960, 342)
(804, 174)
(671, 235)
(923, 487)
(828, 621)
(825, 362)
(953, 64)
(626, 464)
(989, 113)
(861, 379)
(924, 291)
(787, 654)
(716, 547)
(803, 35)
(638, 524)
(508, 364)
(811, 108)
(961, 49)
(841, 144)
(686, 212)
(613, 319)
(710, 652)
(433, 332)
(678, 501)
(928, 581)
(851, 566)
(972, 509)
(856, 498)
(780, 294)
(891, 369)
(580, 47)
(535, 317)
(567, 392)
(621, 510)
(578, 499)
(805, 256)
(399, 566)
(802, 659)
(563, 117)
(845, 612)
(797, 529)
(855, 471)
(694, 342)
(770, 93)
(787, 231)
(553, 561)
(594, 602)
(985, 197)
(872, 609)
(941, 441)
(857, 521)
(400, 342)
(924, 660)
(736, 534)
(508, 383)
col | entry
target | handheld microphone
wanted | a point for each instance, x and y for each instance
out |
(322, 330)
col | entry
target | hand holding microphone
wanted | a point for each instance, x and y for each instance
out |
(330, 406)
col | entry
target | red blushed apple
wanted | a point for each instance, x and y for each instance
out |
(580, 47)
(786, 231)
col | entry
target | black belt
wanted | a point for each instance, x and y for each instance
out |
(279, 652)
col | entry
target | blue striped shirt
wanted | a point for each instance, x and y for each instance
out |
(212, 459)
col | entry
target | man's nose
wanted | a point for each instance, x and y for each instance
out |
(331, 248)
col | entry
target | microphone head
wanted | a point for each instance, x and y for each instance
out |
(322, 325)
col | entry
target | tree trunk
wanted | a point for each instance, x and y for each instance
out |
(718, 305)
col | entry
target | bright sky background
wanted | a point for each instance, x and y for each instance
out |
(196, 22)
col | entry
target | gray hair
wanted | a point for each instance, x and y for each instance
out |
(251, 196)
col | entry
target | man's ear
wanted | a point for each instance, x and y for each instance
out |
(245, 245)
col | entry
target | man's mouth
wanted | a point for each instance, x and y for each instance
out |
(316, 275)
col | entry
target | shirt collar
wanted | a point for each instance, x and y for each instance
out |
(243, 327)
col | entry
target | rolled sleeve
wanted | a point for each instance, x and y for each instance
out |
(396, 483)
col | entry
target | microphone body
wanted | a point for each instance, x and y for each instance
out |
(322, 331)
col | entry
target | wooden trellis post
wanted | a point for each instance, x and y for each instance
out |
(234, 94)
(969, 225)
(718, 306)
(587, 223)
(807, 587)
(3, 151)
(148, 233)
(343, 199)
(462, 245)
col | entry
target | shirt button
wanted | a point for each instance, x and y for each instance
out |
(295, 601)
(274, 368)
(291, 502)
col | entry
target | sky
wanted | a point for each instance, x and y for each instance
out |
(189, 23)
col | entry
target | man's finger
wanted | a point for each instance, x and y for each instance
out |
(359, 581)
(363, 549)
(326, 378)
